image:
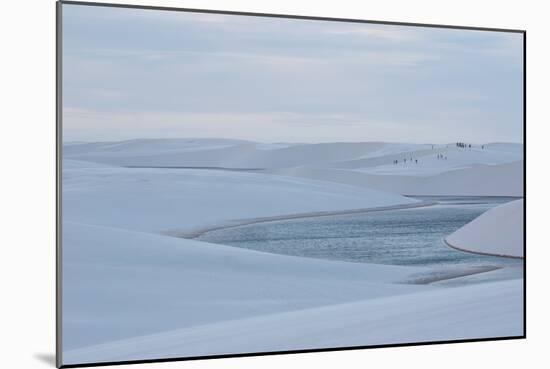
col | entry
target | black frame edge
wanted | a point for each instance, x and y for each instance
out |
(525, 184)
(58, 182)
(289, 352)
(288, 16)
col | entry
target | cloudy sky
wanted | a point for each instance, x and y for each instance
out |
(130, 73)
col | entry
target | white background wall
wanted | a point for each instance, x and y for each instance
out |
(27, 202)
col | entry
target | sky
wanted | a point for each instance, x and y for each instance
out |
(134, 73)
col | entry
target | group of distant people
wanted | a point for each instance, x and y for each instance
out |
(439, 156)
(405, 161)
(467, 146)
(463, 145)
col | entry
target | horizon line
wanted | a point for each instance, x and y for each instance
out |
(285, 142)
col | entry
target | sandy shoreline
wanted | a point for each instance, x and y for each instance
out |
(444, 240)
(192, 234)
(438, 276)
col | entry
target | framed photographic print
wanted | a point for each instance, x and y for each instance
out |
(238, 184)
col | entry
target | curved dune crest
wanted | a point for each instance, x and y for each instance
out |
(480, 180)
(499, 231)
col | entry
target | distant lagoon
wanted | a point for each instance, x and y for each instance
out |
(397, 237)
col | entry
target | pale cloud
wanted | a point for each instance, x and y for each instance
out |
(380, 32)
(130, 73)
(82, 125)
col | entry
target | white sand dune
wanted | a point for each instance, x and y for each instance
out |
(480, 311)
(119, 284)
(499, 231)
(247, 154)
(217, 153)
(479, 180)
(495, 170)
(428, 162)
(173, 199)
